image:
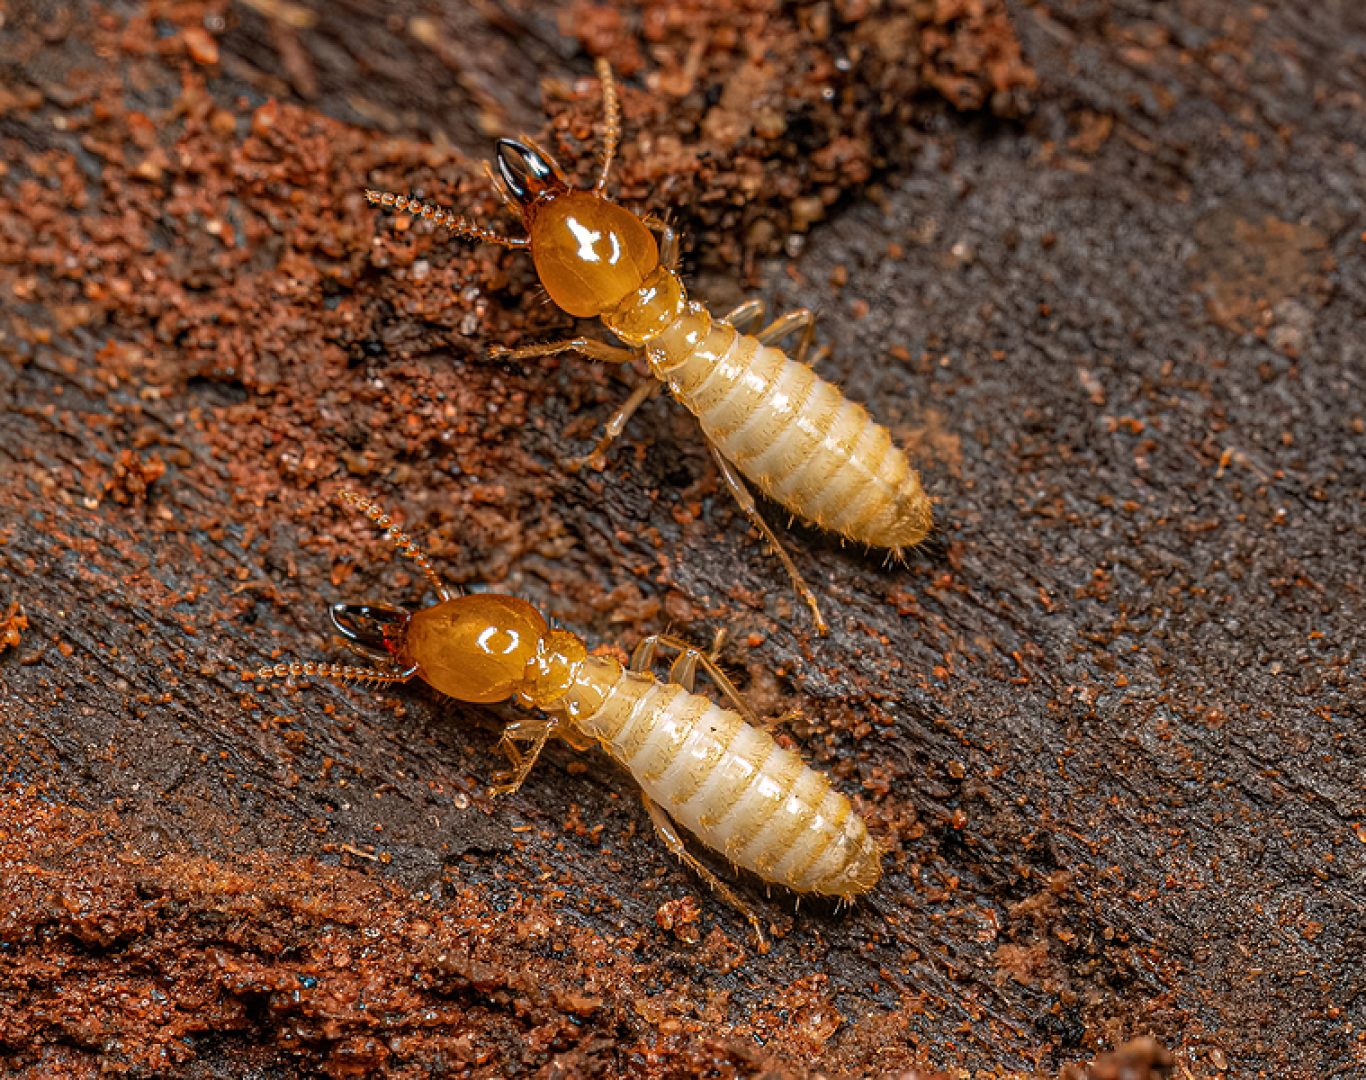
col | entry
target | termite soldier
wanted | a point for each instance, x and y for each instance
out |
(714, 770)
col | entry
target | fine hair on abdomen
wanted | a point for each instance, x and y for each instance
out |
(736, 789)
(801, 440)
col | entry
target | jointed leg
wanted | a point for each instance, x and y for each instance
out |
(402, 541)
(708, 663)
(611, 108)
(643, 655)
(528, 729)
(751, 311)
(616, 424)
(536, 732)
(683, 671)
(801, 319)
(574, 737)
(594, 350)
(668, 248)
(738, 489)
(745, 315)
(684, 668)
(667, 832)
(668, 241)
(589, 347)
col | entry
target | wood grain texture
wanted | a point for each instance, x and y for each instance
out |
(1108, 719)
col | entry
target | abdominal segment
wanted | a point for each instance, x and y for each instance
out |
(801, 440)
(736, 789)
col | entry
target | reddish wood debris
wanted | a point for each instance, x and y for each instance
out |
(1101, 268)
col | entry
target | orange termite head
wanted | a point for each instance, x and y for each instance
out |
(590, 253)
(480, 649)
(473, 648)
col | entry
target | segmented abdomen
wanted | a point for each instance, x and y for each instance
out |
(731, 785)
(795, 435)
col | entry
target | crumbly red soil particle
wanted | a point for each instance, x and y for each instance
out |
(1101, 271)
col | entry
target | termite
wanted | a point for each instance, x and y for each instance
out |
(714, 770)
(764, 415)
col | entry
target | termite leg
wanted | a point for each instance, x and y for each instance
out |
(529, 730)
(405, 545)
(684, 668)
(668, 240)
(751, 311)
(683, 671)
(513, 732)
(745, 315)
(668, 248)
(689, 657)
(589, 347)
(594, 350)
(803, 319)
(508, 747)
(776, 723)
(538, 736)
(747, 506)
(668, 833)
(576, 739)
(616, 424)
(643, 655)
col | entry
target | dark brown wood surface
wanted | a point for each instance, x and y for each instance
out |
(1101, 267)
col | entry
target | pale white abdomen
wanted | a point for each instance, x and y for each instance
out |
(795, 435)
(727, 782)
